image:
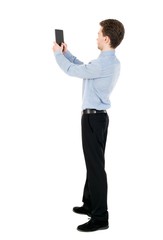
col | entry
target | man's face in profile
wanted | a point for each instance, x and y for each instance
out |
(100, 39)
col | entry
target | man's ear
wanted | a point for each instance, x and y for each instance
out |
(107, 40)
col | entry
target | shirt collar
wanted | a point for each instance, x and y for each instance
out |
(107, 53)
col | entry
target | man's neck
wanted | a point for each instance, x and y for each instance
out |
(107, 48)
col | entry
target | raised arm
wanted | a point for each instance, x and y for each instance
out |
(91, 70)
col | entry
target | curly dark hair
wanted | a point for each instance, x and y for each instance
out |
(114, 29)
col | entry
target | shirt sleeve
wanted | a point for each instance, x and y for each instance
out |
(72, 58)
(89, 71)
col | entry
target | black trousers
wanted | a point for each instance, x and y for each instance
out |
(94, 136)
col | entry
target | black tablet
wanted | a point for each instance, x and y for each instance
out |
(59, 36)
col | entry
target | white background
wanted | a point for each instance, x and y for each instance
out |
(42, 169)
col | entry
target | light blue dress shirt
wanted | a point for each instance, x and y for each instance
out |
(99, 77)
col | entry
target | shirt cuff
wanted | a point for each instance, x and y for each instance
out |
(58, 53)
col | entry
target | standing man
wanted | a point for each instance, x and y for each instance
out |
(99, 78)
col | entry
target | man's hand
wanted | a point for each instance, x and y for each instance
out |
(62, 48)
(56, 47)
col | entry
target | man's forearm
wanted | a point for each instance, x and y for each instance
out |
(72, 58)
(63, 60)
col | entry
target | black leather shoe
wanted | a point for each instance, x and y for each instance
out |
(93, 225)
(82, 210)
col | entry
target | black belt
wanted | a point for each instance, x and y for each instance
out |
(93, 111)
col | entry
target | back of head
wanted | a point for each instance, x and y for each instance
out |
(114, 29)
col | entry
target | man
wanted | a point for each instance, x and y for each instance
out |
(99, 78)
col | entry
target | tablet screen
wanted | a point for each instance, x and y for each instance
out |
(59, 36)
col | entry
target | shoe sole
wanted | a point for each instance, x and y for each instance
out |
(102, 228)
(88, 214)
